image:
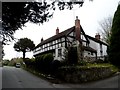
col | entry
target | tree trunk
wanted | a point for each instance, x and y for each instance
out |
(24, 55)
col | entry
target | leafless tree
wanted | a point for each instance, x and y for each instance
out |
(105, 28)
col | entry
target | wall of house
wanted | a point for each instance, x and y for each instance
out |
(97, 46)
(98, 49)
(50, 46)
(104, 50)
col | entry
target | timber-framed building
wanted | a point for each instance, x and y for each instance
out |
(92, 47)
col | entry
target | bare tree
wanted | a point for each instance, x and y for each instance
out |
(105, 28)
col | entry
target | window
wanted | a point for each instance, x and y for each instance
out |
(54, 47)
(48, 48)
(59, 52)
(50, 43)
(53, 42)
(56, 41)
(59, 44)
(41, 47)
(59, 40)
(45, 49)
(63, 44)
(63, 39)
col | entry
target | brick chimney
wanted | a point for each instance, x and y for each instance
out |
(57, 31)
(41, 39)
(97, 36)
(77, 29)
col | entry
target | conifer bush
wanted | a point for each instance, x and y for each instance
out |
(114, 48)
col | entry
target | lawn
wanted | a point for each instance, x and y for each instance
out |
(113, 68)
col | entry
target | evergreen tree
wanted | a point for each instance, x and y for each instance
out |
(114, 48)
(24, 45)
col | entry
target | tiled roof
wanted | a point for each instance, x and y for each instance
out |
(62, 34)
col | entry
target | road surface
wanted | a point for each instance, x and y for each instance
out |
(18, 78)
(0, 78)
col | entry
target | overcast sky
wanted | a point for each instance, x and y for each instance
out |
(89, 14)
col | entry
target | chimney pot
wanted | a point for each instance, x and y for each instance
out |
(41, 39)
(97, 36)
(76, 17)
(57, 31)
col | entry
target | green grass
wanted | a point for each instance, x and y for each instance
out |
(96, 65)
(99, 65)
(113, 68)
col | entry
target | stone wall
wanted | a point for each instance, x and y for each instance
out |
(78, 75)
(89, 59)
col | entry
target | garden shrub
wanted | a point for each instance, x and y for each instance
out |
(82, 63)
(39, 62)
(55, 65)
(43, 62)
(72, 55)
(29, 62)
(47, 59)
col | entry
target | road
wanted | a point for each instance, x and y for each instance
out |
(18, 78)
(0, 78)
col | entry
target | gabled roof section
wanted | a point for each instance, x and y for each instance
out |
(62, 34)
(96, 40)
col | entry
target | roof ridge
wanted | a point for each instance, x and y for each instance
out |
(63, 33)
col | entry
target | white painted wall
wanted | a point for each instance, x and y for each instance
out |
(104, 50)
(96, 46)
(98, 49)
